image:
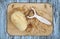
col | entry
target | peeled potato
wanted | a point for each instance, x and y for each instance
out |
(19, 20)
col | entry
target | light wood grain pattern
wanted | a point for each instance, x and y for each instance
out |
(44, 10)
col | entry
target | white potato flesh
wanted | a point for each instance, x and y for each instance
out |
(19, 20)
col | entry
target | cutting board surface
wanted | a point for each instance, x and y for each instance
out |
(43, 9)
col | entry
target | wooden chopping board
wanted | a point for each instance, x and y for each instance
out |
(43, 9)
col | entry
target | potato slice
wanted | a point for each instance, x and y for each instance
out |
(19, 20)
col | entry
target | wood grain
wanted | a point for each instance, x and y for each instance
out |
(38, 28)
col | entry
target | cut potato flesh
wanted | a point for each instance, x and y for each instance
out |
(19, 20)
